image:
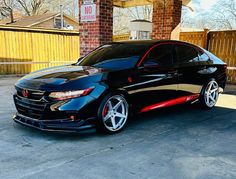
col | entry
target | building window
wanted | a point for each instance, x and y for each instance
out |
(140, 35)
(57, 22)
(144, 35)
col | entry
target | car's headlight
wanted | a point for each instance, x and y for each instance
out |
(70, 94)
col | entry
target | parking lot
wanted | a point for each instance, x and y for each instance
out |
(178, 142)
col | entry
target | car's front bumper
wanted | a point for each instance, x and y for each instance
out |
(61, 125)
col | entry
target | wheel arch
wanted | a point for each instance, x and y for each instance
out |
(115, 90)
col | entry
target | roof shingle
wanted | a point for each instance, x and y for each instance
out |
(28, 21)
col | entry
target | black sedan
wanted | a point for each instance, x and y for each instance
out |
(103, 88)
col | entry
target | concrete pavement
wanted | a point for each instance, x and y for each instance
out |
(178, 142)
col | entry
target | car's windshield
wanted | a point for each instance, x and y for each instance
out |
(114, 56)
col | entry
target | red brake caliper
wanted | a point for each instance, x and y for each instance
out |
(105, 110)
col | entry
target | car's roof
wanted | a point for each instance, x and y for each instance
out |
(153, 42)
(147, 42)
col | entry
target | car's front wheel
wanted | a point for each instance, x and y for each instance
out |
(112, 114)
(210, 94)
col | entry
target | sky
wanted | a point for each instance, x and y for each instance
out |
(212, 14)
(202, 6)
(206, 4)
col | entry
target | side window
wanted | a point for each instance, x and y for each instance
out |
(160, 56)
(186, 54)
(203, 57)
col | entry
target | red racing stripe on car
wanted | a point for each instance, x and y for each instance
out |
(171, 102)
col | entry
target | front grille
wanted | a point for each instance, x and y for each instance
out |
(30, 108)
(32, 94)
(36, 106)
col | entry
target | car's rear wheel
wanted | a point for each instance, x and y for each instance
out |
(210, 94)
(112, 114)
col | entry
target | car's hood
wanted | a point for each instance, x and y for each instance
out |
(61, 78)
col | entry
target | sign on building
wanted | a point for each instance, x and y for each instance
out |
(88, 12)
(88, 2)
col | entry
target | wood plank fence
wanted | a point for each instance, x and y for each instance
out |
(122, 37)
(23, 50)
(220, 43)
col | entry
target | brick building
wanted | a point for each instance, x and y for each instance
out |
(166, 17)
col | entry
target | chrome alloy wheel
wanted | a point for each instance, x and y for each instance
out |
(211, 94)
(115, 113)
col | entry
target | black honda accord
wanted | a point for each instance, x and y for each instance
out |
(104, 87)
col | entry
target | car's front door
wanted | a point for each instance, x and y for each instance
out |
(155, 80)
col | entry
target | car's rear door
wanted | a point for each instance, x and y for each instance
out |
(155, 80)
(191, 65)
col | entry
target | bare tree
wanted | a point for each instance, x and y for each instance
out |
(147, 12)
(32, 7)
(222, 16)
(6, 9)
(27, 7)
(125, 15)
(120, 15)
(70, 7)
(225, 16)
(141, 12)
(35, 7)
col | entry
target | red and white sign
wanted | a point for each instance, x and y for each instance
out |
(88, 13)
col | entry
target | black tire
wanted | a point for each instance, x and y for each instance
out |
(102, 126)
(203, 96)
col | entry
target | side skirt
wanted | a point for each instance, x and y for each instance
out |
(171, 102)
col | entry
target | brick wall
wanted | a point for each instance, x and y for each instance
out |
(166, 17)
(94, 34)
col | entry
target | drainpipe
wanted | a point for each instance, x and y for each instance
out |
(61, 12)
(12, 16)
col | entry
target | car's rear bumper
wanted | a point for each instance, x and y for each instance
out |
(62, 125)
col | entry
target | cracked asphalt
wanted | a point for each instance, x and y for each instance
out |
(179, 142)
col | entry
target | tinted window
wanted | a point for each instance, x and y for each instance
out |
(115, 56)
(203, 57)
(161, 55)
(186, 54)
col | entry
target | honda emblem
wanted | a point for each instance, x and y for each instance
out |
(25, 93)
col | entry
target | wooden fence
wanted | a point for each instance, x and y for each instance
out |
(220, 43)
(197, 38)
(122, 37)
(23, 50)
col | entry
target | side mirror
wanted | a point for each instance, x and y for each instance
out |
(80, 58)
(150, 63)
(140, 67)
(78, 61)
